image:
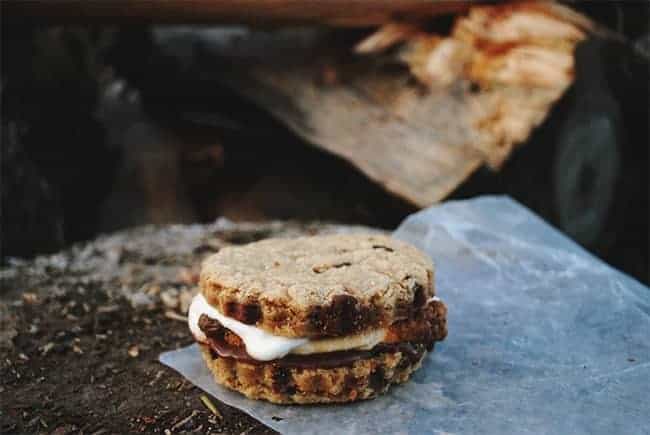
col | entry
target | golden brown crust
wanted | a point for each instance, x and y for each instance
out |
(363, 379)
(319, 286)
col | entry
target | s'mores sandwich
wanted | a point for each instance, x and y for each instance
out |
(318, 319)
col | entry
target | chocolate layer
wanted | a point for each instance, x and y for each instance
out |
(224, 344)
(411, 351)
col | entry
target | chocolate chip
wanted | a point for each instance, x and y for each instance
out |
(385, 248)
(282, 382)
(316, 318)
(419, 298)
(345, 312)
(411, 352)
(211, 327)
(245, 313)
(351, 383)
(403, 364)
(342, 316)
(317, 383)
(378, 379)
(410, 308)
(252, 313)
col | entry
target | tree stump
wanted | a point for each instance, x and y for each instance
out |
(81, 331)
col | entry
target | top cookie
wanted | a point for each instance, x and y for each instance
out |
(318, 286)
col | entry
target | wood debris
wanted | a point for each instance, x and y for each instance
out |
(388, 35)
(189, 276)
(30, 298)
(108, 308)
(46, 348)
(175, 316)
(520, 55)
(185, 298)
(134, 351)
(169, 298)
(208, 404)
(184, 421)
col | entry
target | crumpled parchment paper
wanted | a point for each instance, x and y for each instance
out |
(543, 338)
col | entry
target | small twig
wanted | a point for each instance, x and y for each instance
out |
(108, 308)
(247, 431)
(185, 420)
(175, 316)
(208, 404)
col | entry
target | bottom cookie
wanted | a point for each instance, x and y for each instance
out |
(362, 379)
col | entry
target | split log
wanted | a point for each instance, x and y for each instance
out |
(478, 92)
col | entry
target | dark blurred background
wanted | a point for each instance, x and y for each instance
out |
(102, 129)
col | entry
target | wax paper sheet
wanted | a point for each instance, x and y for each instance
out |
(543, 338)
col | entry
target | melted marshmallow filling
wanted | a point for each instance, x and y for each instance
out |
(264, 346)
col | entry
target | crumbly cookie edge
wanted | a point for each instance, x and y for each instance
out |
(363, 380)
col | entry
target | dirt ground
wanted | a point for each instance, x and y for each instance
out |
(81, 331)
